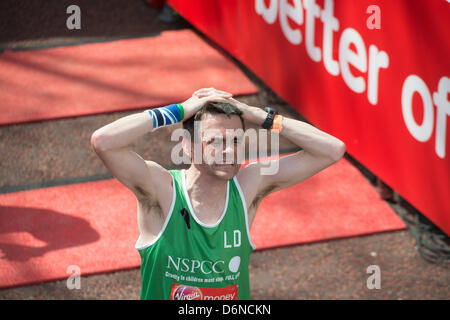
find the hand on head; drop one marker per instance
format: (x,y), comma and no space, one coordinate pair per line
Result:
(202,96)
(208,92)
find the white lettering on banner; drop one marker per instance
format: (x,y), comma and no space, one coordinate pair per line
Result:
(365,63)
(411,85)
(423,132)
(296,14)
(442,103)
(330,24)
(377,59)
(357,60)
(312,12)
(269,14)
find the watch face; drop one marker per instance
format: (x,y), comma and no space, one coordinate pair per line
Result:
(270,110)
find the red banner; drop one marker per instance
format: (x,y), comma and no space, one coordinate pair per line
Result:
(374,73)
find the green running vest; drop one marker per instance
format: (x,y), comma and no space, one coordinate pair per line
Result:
(203,262)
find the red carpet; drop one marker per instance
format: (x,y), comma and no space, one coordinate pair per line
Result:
(336,203)
(93,225)
(112,76)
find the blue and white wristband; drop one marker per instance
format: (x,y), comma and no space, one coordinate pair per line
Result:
(167,115)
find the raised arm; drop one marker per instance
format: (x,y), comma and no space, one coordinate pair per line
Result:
(113,142)
(319,150)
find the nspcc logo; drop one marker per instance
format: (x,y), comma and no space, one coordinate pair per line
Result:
(206,267)
(193,266)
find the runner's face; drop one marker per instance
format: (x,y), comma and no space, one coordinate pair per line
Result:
(221,138)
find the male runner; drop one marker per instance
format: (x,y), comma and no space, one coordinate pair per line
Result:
(194,224)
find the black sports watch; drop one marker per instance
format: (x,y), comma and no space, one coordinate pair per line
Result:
(271,113)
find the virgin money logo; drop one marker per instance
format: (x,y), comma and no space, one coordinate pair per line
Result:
(187,293)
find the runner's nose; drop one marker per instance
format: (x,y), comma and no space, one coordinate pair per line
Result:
(228,154)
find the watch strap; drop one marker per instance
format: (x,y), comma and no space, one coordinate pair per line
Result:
(268,122)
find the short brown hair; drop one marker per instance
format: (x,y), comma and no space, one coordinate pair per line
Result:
(214,108)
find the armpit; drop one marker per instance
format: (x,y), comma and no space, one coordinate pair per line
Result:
(145,199)
(261,195)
